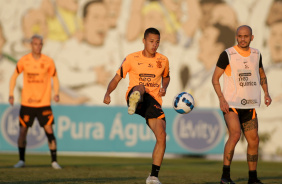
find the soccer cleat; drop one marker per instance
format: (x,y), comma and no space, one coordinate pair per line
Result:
(257,181)
(226,181)
(153,180)
(55,165)
(133,101)
(20,164)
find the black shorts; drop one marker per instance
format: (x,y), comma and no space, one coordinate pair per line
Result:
(149,108)
(244,114)
(43,114)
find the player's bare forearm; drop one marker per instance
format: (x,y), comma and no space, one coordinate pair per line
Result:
(56,85)
(215,81)
(264,85)
(113,84)
(165,82)
(216,85)
(263,81)
(111,87)
(12,86)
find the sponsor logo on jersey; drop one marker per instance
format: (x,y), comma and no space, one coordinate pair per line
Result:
(243,78)
(150,66)
(245,74)
(30,100)
(247,83)
(250,101)
(147,75)
(145,79)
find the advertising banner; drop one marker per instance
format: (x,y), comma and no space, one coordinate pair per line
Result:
(111,129)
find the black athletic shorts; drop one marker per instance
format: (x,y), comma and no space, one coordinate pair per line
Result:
(43,114)
(244,114)
(149,108)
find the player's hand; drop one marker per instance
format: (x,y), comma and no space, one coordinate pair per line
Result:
(162,92)
(56,98)
(11,100)
(107,99)
(267,100)
(224,106)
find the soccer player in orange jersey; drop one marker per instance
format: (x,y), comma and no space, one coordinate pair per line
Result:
(38,69)
(148,80)
(243,74)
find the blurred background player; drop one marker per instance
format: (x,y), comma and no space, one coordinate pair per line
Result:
(38,69)
(243,72)
(148,80)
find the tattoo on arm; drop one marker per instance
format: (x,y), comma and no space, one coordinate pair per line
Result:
(230,155)
(252,158)
(250,125)
(263,81)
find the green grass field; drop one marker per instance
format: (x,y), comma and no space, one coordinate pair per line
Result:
(119,170)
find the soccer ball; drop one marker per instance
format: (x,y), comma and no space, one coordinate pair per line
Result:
(183,103)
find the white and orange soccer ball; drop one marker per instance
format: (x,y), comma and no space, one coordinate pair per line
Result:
(183,103)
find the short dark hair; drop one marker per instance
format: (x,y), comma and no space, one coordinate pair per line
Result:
(36,36)
(85,8)
(246,27)
(152,31)
(226,35)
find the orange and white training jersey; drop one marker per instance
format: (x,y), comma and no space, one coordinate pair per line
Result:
(241,85)
(37,75)
(146,71)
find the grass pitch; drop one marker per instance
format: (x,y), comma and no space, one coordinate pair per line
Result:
(116,170)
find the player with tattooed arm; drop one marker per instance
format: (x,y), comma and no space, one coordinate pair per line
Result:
(243,74)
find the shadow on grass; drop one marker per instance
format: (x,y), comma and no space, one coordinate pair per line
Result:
(28,166)
(81,165)
(263,179)
(78,180)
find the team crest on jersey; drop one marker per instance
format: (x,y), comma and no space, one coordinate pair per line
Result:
(41,65)
(26,118)
(159,64)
